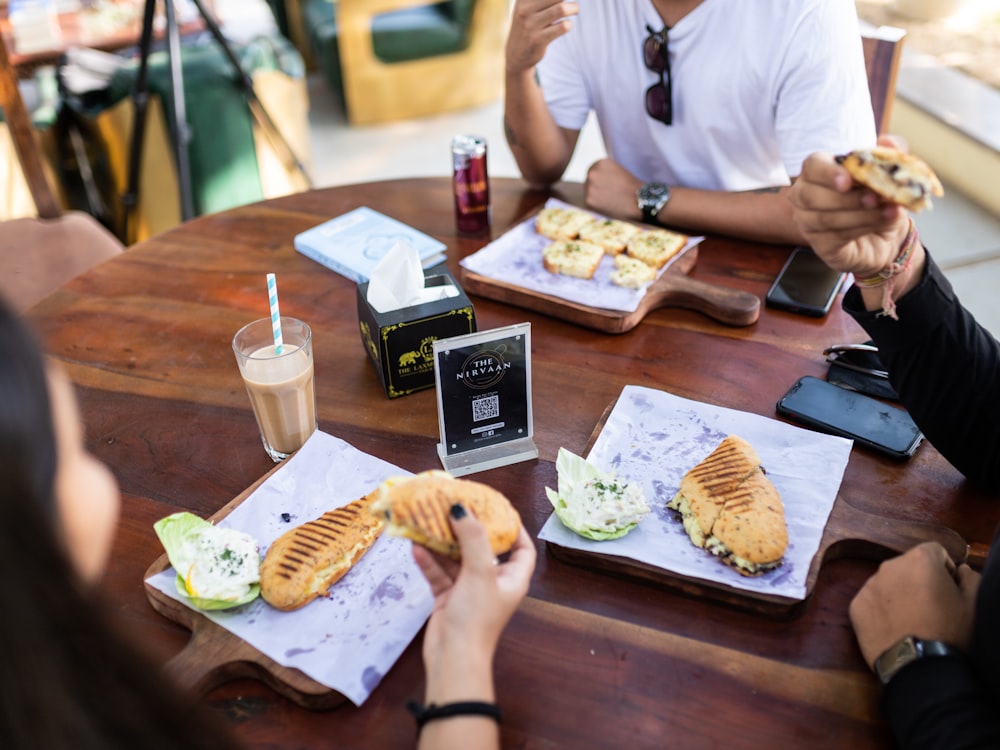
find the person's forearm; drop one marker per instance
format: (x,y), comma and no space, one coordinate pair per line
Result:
(943,365)
(762,216)
(462,676)
(457,678)
(541,148)
(873,297)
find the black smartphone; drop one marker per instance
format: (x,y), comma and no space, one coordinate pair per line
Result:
(805,285)
(829,408)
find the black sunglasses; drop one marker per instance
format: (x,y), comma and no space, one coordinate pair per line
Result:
(659,99)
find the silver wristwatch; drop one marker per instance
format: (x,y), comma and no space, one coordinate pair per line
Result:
(908,650)
(652,197)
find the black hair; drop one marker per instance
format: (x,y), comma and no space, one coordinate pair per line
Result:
(68,677)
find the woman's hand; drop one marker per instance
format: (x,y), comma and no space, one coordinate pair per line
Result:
(472,604)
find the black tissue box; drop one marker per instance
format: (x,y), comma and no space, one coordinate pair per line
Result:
(399,342)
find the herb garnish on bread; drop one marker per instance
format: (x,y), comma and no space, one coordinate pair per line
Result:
(572,258)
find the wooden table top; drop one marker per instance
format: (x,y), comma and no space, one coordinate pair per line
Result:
(592,659)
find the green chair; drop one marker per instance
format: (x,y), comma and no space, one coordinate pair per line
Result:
(398,59)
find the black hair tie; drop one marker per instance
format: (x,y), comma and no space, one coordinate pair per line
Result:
(430,712)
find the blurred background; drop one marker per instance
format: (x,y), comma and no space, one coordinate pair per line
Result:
(386,104)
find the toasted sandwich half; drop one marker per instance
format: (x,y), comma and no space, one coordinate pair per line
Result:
(730,507)
(750,533)
(304,562)
(417,507)
(704,488)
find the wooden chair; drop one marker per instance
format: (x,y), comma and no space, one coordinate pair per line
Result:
(883,48)
(23,136)
(39,255)
(376,91)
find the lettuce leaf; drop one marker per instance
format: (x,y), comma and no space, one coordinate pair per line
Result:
(592,502)
(179,533)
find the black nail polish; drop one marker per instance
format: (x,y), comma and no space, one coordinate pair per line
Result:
(457,511)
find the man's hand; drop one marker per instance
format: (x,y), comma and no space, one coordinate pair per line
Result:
(610,190)
(534,24)
(848,226)
(920,593)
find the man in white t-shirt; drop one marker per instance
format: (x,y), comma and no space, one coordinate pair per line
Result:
(707,107)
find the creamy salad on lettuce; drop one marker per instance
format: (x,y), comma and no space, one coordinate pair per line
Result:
(593,503)
(216,568)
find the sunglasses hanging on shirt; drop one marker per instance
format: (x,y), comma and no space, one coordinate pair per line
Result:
(659,98)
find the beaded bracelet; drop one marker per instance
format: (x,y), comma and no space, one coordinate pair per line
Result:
(430,712)
(886,277)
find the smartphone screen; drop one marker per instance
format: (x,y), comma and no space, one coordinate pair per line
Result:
(805,285)
(828,408)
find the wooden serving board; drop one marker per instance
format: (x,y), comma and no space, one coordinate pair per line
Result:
(674,288)
(849,532)
(214,655)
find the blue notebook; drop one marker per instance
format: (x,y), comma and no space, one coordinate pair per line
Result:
(352,244)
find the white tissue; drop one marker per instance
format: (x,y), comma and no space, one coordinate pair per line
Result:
(398,281)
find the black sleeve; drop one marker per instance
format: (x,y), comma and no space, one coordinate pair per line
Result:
(946,369)
(940,704)
(953,701)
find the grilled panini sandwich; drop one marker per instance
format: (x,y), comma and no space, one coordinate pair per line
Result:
(729,507)
(306,561)
(418,507)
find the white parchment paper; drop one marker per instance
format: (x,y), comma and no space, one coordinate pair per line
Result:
(515,257)
(654,437)
(351,639)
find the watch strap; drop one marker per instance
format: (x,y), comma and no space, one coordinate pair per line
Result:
(906,651)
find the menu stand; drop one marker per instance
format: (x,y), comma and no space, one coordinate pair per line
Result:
(484,399)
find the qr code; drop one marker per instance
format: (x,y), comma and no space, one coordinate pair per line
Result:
(487,407)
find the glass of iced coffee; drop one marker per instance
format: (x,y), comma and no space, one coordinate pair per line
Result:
(279,383)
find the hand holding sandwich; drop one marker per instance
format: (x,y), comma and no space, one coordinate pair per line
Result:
(851,228)
(920,593)
(473,601)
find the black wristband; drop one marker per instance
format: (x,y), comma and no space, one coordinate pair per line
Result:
(430,712)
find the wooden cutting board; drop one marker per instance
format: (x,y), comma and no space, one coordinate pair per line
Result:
(674,288)
(849,532)
(214,655)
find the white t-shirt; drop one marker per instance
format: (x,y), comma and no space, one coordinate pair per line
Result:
(758,85)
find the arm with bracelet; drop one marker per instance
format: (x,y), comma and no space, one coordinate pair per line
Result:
(473,601)
(926,627)
(944,366)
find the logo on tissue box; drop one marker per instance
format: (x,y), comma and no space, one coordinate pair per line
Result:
(366,336)
(420,360)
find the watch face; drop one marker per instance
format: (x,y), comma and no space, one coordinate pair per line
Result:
(653,192)
(896,657)
(651,198)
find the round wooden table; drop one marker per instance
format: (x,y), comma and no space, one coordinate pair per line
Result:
(592,659)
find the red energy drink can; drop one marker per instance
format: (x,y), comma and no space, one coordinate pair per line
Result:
(471,184)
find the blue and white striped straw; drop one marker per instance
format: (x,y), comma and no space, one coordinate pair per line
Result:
(272,298)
